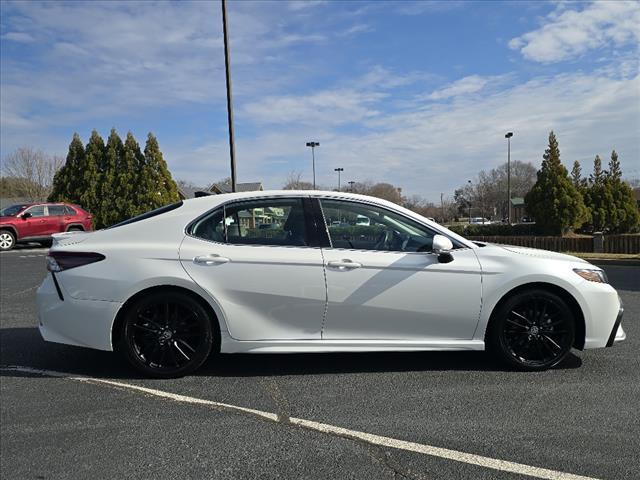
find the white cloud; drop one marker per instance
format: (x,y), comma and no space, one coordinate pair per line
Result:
(20,37)
(466,85)
(570,33)
(325,108)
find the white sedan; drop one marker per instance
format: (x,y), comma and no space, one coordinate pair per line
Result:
(171,286)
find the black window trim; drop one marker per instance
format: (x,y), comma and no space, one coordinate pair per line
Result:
(311,223)
(456,244)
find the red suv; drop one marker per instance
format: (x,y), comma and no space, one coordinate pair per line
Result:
(36,222)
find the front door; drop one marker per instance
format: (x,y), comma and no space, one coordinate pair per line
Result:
(257,259)
(37,224)
(385,284)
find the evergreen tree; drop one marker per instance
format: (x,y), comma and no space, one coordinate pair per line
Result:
(66,187)
(90,198)
(598,175)
(615,172)
(599,198)
(554,201)
(625,216)
(576,174)
(108,212)
(156,187)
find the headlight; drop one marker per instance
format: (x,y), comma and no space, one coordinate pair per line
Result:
(592,275)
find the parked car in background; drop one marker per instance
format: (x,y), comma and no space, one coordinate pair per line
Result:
(479,221)
(36,222)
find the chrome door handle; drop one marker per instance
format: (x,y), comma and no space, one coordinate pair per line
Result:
(344,264)
(210,260)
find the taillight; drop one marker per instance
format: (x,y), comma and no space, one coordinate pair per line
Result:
(59,261)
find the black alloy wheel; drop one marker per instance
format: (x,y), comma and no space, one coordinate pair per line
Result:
(167,334)
(533,330)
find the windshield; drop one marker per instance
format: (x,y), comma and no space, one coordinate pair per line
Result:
(11,211)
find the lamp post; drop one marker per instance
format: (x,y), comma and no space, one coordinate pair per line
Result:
(508,136)
(339,169)
(227,65)
(351,184)
(470,186)
(313,146)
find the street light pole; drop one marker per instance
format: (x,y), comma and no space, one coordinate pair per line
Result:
(351,184)
(470,186)
(339,169)
(227,65)
(313,146)
(508,137)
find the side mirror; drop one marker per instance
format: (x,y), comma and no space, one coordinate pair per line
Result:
(26,215)
(442,246)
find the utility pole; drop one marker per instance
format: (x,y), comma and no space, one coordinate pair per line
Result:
(508,137)
(442,206)
(339,169)
(227,65)
(313,146)
(470,186)
(351,183)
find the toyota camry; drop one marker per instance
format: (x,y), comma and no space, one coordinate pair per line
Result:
(309,271)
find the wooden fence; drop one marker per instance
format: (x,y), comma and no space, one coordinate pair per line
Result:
(611,244)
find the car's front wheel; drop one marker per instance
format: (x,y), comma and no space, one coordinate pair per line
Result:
(166,334)
(7,240)
(532,330)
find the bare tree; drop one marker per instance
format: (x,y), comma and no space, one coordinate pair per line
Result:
(30,172)
(295,182)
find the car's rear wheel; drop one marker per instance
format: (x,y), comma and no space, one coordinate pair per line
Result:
(7,240)
(166,334)
(532,330)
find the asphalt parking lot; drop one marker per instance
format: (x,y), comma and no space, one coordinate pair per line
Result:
(69,412)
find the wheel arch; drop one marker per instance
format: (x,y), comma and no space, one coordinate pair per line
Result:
(75,226)
(12,229)
(120,316)
(569,299)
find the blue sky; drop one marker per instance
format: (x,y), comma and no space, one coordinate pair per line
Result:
(419,94)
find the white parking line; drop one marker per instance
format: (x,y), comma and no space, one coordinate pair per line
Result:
(378,440)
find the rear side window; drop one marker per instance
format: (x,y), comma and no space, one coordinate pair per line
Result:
(55,210)
(69,211)
(279,221)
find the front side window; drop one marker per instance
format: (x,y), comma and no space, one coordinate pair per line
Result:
(359,226)
(259,222)
(37,211)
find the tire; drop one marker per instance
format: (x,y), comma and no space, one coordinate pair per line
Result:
(166,335)
(7,240)
(75,229)
(533,330)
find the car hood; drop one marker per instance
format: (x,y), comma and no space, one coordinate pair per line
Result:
(546,254)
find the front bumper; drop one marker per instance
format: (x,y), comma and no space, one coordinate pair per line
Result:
(617,333)
(84,323)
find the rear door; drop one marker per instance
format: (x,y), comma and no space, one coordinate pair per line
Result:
(260,261)
(55,218)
